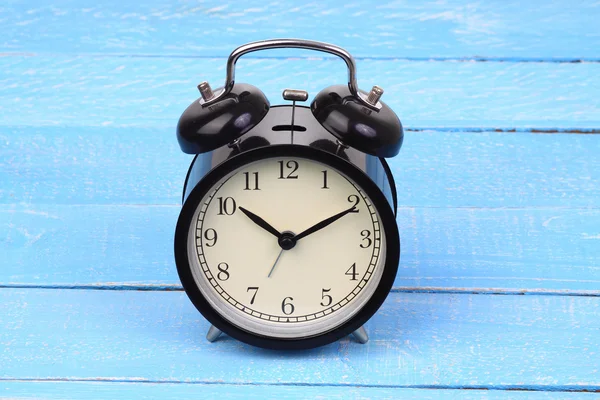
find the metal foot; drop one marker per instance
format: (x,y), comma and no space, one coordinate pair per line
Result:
(361,335)
(213,334)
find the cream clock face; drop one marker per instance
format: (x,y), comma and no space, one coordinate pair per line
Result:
(286,247)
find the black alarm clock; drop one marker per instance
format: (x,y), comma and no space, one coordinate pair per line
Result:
(287,238)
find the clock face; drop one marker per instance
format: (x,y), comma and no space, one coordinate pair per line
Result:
(286,247)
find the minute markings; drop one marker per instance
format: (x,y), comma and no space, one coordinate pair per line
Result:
(337,306)
(334,307)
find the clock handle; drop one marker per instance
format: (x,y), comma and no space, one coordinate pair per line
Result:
(363,99)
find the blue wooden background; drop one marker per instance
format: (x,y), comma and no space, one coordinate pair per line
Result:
(498,291)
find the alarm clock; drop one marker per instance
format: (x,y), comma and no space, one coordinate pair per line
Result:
(287,238)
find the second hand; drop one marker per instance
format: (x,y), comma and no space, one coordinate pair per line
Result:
(275,263)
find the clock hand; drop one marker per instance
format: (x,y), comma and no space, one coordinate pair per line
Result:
(261,222)
(323,223)
(275,263)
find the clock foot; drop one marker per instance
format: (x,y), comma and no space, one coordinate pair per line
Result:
(213,333)
(361,335)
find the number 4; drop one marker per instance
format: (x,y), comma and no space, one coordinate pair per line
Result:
(352,272)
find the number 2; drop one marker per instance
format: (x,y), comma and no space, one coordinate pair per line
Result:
(354,199)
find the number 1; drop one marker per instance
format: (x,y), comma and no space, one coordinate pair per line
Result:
(324,180)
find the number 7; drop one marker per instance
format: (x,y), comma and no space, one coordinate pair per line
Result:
(255,288)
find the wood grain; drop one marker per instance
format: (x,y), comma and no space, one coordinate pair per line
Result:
(91,177)
(435,340)
(85,165)
(544,251)
(150,390)
(153,92)
(542,30)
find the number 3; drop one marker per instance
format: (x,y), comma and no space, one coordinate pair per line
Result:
(366,235)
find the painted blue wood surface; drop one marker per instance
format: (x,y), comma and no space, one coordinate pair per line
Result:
(91,165)
(423,340)
(153,92)
(90,179)
(547,250)
(94,390)
(512,30)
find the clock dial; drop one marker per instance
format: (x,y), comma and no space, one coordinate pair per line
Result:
(286,247)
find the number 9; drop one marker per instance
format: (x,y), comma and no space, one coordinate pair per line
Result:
(210,237)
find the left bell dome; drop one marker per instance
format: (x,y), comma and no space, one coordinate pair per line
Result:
(202,129)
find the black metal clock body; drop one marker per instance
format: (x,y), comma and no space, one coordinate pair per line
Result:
(287,238)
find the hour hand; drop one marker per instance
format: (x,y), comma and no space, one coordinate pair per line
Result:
(260,222)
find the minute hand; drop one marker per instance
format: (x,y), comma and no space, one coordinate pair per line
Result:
(323,223)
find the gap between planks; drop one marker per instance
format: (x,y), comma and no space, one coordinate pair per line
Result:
(397,289)
(524,388)
(441,129)
(409,207)
(471,129)
(555,60)
(450,129)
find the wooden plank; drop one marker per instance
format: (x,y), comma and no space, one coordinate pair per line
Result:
(153,92)
(127,247)
(542,30)
(432,340)
(146,390)
(91,165)
(84,165)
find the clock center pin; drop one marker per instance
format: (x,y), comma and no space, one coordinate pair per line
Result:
(287,240)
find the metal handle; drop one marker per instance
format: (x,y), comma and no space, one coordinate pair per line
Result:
(291,43)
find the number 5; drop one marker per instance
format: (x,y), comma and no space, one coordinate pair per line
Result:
(326,298)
